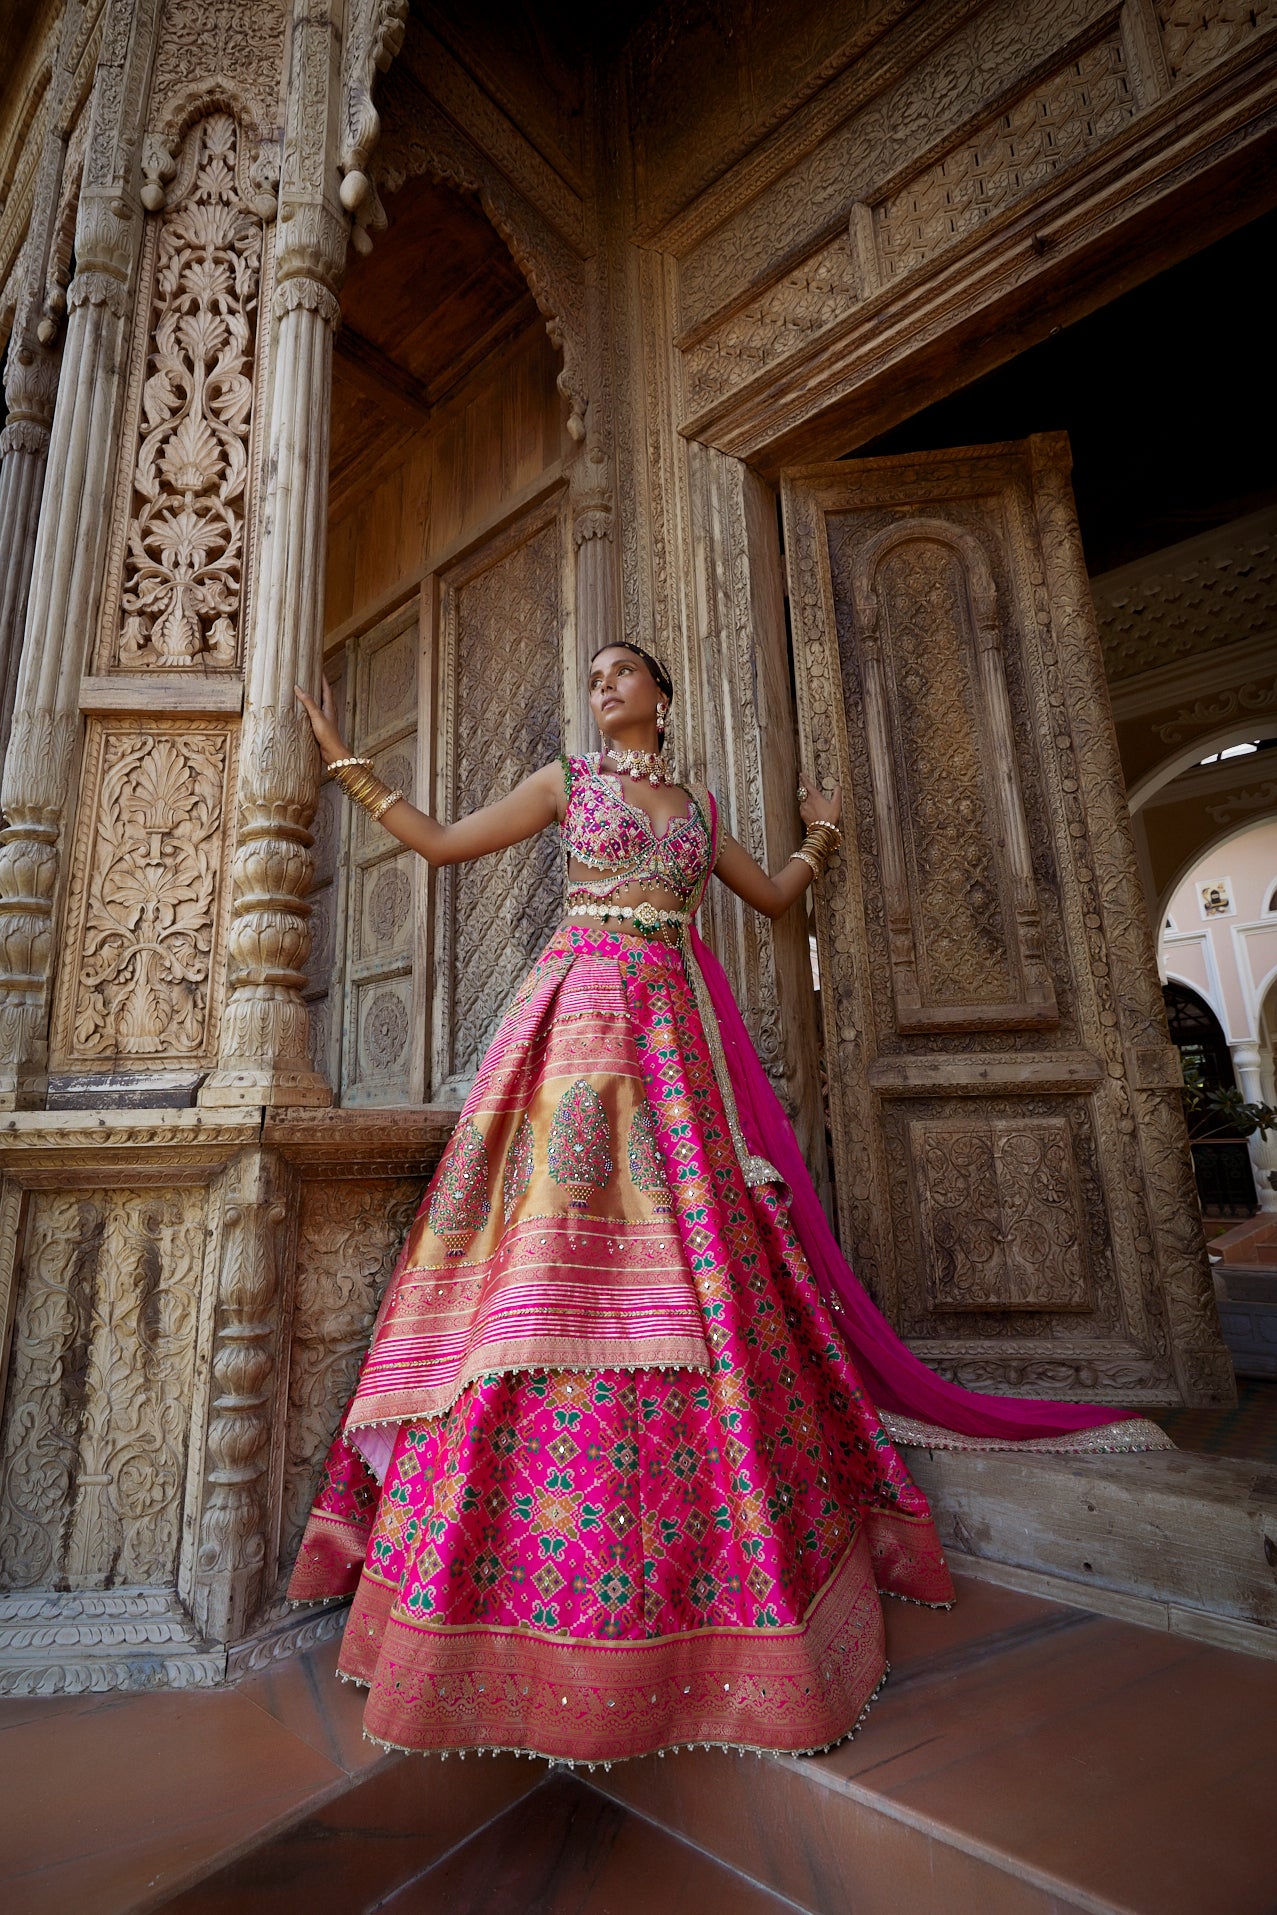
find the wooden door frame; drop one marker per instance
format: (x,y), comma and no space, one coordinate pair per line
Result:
(1152,1335)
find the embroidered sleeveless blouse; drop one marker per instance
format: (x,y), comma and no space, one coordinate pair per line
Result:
(603,831)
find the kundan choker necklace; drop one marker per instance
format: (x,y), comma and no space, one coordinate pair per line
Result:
(641,764)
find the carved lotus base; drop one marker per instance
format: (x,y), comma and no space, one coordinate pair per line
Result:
(84,1641)
(227,1090)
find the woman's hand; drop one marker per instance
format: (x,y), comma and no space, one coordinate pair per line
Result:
(323,722)
(816,809)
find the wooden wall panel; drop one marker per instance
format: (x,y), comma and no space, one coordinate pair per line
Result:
(495,440)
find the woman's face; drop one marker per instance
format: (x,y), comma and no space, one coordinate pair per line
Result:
(623,693)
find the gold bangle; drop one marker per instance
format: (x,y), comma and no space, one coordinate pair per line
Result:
(338,763)
(826,829)
(358,782)
(362,785)
(806,858)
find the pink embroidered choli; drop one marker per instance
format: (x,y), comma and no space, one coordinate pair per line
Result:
(604,832)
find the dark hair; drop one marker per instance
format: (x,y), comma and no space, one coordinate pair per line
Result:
(664,682)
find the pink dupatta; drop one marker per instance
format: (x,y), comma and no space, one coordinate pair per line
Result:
(900,1383)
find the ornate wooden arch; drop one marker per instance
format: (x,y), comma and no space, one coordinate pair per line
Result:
(435,146)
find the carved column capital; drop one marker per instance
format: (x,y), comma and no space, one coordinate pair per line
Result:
(107,232)
(310,244)
(308,295)
(23,435)
(98,289)
(595,522)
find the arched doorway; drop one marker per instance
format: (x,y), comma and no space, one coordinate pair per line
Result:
(448,604)
(1221,1161)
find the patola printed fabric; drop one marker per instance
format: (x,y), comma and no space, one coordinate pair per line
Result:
(637,1497)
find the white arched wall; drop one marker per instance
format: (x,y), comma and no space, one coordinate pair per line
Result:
(1231,961)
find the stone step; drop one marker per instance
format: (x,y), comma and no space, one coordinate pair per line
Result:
(1168,1539)
(1253,1241)
(564,1846)
(1024,1758)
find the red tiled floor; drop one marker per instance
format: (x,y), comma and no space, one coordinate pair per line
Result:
(568,1851)
(306,1695)
(1026,1758)
(366,1844)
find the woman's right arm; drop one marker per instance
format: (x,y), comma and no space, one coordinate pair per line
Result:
(529,808)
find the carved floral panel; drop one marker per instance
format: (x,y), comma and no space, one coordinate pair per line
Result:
(98,1394)
(926,109)
(202,37)
(141,975)
(177,597)
(769,328)
(1196,33)
(1015,152)
(348,1238)
(1012,154)
(1001,1216)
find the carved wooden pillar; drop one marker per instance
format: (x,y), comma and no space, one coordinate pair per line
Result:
(597,611)
(231,1552)
(265,1054)
(69,550)
(749,740)
(30,388)
(24,447)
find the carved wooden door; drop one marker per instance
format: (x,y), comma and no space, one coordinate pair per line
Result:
(1013,1177)
(501,622)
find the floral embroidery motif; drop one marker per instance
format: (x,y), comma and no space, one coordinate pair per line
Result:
(459,1201)
(518,1168)
(580,1145)
(646,1171)
(602,830)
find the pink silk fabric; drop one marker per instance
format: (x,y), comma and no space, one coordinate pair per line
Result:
(898,1381)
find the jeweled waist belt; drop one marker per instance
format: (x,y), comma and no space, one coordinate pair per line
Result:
(646,918)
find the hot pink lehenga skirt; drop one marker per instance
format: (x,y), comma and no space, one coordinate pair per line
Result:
(609,1482)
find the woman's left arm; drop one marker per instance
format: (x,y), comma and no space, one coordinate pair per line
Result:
(745,876)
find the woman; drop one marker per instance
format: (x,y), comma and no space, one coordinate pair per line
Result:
(613,1478)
